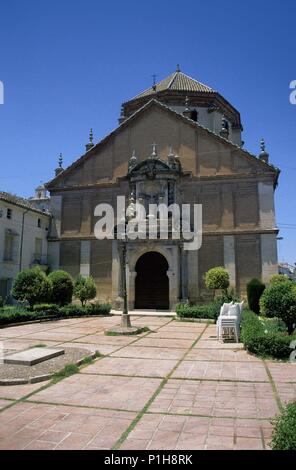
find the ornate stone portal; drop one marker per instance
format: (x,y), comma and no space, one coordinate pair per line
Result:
(152,181)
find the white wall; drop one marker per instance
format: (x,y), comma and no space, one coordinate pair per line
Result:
(212,121)
(9,269)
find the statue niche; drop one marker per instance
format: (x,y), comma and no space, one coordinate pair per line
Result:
(154,181)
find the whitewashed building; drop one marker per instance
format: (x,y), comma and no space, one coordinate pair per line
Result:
(23,238)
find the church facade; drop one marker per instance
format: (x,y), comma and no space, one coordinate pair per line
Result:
(178,142)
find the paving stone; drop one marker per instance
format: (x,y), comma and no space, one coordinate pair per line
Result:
(174,335)
(164,343)
(242,371)
(185,327)
(131,367)
(103,349)
(4,403)
(282,372)
(53,336)
(287,392)
(15,392)
(149,352)
(194,433)
(101,391)
(14,344)
(40,427)
(223,355)
(214,344)
(219,399)
(101,339)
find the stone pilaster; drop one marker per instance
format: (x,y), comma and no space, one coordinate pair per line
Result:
(85,258)
(227,221)
(183,275)
(266,205)
(268,256)
(229,258)
(53,254)
(116,272)
(192,284)
(56,211)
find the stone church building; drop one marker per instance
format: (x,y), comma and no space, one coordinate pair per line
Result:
(177,142)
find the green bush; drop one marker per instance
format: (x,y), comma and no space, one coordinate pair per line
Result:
(98,309)
(32,286)
(62,287)
(255,289)
(72,311)
(78,310)
(1,302)
(16,316)
(258,340)
(217,278)
(206,311)
(84,289)
(284,435)
(46,309)
(273,325)
(279,300)
(276,278)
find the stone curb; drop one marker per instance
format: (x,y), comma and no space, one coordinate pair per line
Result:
(40,378)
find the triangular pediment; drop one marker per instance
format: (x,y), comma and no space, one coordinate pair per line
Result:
(202,152)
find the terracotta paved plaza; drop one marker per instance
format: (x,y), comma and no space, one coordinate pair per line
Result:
(175,387)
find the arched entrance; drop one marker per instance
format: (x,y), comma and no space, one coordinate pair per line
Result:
(152,283)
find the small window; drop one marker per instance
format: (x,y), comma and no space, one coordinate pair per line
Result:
(9,213)
(38,250)
(194,115)
(8,248)
(39,223)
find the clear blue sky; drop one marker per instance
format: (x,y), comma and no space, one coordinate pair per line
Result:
(68,65)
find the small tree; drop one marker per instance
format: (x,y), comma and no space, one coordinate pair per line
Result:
(276,278)
(279,300)
(217,278)
(255,289)
(32,286)
(62,287)
(84,289)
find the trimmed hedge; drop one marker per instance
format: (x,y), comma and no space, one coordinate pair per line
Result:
(72,311)
(46,309)
(78,310)
(258,340)
(209,311)
(98,309)
(284,435)
(16,315)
